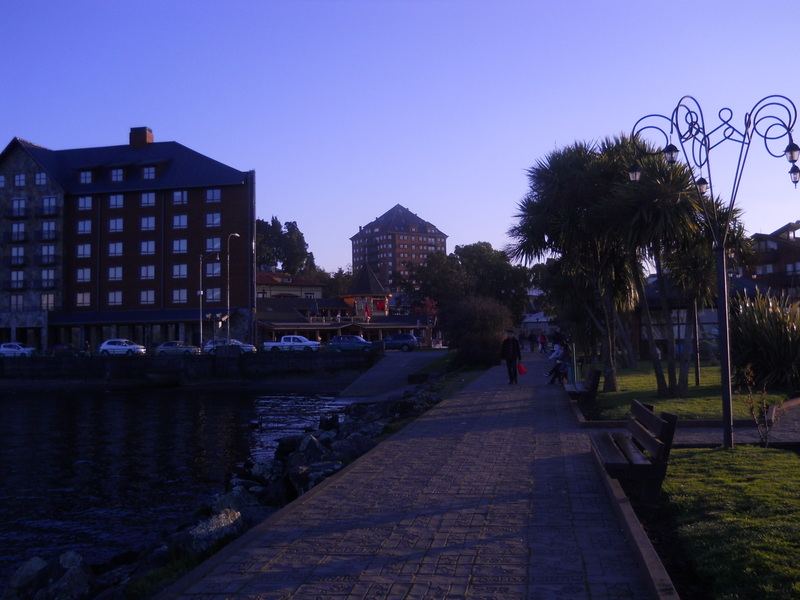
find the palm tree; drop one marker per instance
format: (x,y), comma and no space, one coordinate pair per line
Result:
(558,218)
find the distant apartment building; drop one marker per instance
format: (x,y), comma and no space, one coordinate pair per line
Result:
(393,240)
(123,241)
(777,262)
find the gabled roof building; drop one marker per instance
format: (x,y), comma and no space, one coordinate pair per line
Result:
(391,241)
(123,241)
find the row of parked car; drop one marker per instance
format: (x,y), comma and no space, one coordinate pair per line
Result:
(339,343)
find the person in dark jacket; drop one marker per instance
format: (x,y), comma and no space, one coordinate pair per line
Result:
(512,354)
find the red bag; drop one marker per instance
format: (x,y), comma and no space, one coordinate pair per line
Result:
(521,368)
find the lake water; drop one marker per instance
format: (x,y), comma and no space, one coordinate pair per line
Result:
(102,473)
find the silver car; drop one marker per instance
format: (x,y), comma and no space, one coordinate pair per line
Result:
(176,347)
(16,349)
(121,346)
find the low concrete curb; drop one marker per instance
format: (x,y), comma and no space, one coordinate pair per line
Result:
(657,577)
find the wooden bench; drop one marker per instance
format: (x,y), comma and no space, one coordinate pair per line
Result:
(639,455)
(586,390)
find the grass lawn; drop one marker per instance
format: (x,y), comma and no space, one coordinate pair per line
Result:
(728,526)
(704,401)
(728,523)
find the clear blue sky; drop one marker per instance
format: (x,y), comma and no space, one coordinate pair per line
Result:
(345,108)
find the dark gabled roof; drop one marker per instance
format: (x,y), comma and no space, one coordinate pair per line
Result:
(398,219)
(177,167)
(366,283)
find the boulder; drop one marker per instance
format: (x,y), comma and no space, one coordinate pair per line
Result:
(227,523)
(305,477)
(238,498)
(350,448)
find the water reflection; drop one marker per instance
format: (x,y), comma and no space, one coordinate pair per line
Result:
(101,473)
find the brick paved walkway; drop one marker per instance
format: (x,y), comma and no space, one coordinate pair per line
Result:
(491,494)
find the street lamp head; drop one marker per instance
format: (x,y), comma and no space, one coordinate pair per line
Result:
(792,152)
(634,173)
(702,186)
(671,154)
(794,173)
(234,235)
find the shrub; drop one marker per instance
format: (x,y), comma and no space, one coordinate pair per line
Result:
(475,329)
(765,334)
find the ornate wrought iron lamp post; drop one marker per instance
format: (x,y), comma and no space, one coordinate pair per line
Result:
(771,119)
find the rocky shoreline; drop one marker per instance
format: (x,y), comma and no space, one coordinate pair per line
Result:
(253,493)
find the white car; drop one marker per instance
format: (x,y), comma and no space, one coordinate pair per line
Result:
(121,346)
(16,349)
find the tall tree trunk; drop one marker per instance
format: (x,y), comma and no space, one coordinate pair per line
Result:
(609,341)
(669,329)
(647,323)
(625,343)
(689,345)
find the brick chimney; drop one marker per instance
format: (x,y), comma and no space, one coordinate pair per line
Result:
(141,136)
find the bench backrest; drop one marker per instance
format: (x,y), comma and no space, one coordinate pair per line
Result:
(653,433)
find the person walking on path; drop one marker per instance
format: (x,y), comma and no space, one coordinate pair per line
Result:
(512,354)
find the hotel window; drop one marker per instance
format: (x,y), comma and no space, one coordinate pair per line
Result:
(147,272)
(213,269)
(179,296)
(147,297)
(117,174)
(115,201)
(48,301)
(18,232)
(19,180)
(148,198)
(115,226)
(17,280)
(48,278)
(213,195)
(84,203)
(149,173)
(83,299)
(213,294)
(49,207)
(17,256)
(180,221)
(2,181)
(48,256)
(179,246)
(213,244)
(115,248)
(213,219)
(84,227)
(148,223)
(48,230)
(40,178)
(115,273)
(84,275)
(147,247)
(18,206)
(17,302)
(179,197)
(115,298)
(179,271)
(85,177)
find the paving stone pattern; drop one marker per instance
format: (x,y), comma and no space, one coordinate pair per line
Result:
(493,494)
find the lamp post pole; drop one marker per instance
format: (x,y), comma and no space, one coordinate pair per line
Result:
(200,293)
(228,291)
(772,119)
(200,297)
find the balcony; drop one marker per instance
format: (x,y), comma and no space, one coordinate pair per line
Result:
(17,213)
